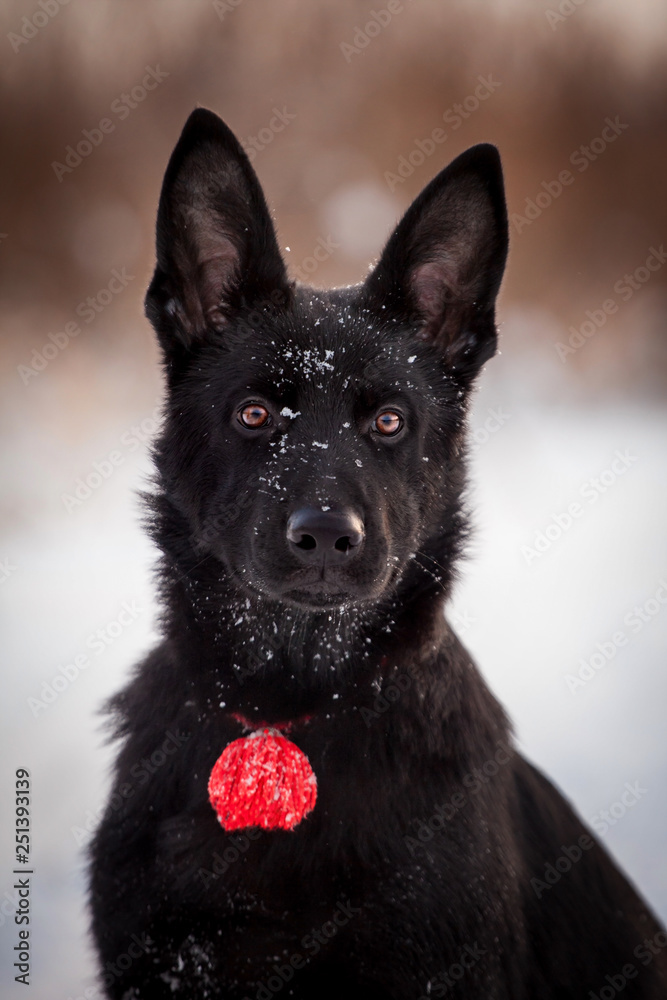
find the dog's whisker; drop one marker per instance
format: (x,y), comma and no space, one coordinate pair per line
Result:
(433,576)
(421,552)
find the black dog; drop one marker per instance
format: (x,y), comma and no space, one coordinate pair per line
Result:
(309,508)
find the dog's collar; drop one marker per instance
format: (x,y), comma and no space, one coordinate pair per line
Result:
(251,725)
(283,727)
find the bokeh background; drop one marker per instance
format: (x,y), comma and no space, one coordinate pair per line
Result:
(340,101)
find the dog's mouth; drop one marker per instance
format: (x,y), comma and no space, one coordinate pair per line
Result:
(323,589)
(319,597)
(319,594)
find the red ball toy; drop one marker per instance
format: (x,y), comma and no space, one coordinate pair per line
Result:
(262,780)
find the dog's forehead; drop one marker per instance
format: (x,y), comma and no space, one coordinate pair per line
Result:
(331,344)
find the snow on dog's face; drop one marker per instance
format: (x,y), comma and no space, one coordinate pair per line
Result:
(313,440)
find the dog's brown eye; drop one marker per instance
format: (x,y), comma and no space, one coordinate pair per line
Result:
(254,415)
(388,423)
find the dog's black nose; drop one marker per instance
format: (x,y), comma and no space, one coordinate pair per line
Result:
(315,535)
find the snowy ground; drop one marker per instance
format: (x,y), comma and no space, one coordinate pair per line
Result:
(528,619)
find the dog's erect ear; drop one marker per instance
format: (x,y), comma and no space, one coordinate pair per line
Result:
(443,264)
(216,245)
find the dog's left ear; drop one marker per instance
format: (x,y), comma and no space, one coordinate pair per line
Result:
(442,267)
(216,244)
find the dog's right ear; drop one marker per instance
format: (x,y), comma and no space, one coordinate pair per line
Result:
(443,264)
(216,244)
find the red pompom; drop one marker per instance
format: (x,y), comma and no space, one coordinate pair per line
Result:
(262,780)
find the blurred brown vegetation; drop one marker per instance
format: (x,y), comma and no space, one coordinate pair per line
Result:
(355,114)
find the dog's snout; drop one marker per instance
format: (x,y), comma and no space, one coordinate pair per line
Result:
(315,535)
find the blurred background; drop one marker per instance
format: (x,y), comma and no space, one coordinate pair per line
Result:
(347,109)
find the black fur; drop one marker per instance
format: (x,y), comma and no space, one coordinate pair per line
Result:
(422,870)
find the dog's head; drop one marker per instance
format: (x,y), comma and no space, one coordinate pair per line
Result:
(313,441)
